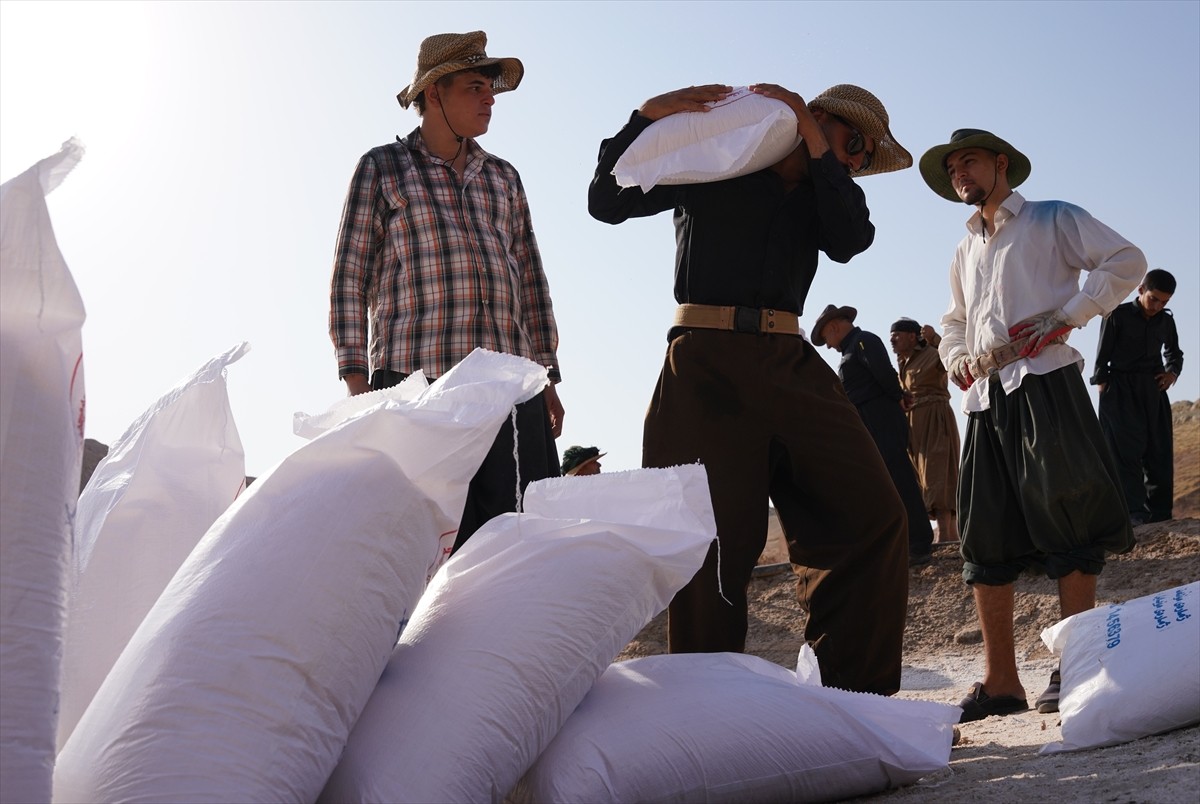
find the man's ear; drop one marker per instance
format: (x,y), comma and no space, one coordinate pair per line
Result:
(1002,163)
(817,113)
(432,95)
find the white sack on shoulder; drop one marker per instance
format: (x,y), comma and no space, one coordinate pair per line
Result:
(514,630)
(1128,670)
(161,486)
(741,134)
(730,727)
(245,678)
(41,448)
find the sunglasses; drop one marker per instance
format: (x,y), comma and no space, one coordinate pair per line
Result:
(857,145)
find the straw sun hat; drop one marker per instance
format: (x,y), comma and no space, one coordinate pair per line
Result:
(442,54)
(866,113)
(933,163)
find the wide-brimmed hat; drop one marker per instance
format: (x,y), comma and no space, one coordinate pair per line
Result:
(575,458)
(442,54)
(933,163)
(866,113)
(831,312)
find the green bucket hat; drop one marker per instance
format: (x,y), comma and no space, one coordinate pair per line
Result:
(576,457)
(933,163)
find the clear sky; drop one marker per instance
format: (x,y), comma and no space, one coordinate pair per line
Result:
(221,137)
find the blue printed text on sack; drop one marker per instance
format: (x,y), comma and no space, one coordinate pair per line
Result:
(1113,627)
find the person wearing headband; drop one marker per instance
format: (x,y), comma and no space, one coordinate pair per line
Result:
(1038,489)
(933,441)
(436,257)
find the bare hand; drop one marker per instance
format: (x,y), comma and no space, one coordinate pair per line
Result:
(688,99)
(1165,380)
(907,401)
(357,384)
(806,125)
(554,407)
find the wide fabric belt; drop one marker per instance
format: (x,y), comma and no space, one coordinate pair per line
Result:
(931,400)
(759,321)
(991,362)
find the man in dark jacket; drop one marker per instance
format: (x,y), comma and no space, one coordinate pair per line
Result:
(872,385)
(1135,412)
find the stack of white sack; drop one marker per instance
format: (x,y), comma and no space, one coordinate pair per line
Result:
(41,448)
(743,133)
(245,678)
(159,489)
(1128,670)
(516,627)
(730,727)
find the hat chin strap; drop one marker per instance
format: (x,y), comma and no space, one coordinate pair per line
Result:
(457,137)
(995,181)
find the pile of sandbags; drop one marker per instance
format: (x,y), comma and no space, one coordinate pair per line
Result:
(244,679)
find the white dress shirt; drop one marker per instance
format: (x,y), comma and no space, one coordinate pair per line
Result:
(1030,266)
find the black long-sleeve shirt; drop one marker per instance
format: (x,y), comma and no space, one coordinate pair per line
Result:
(865,370)
(1130,343)
(745,241)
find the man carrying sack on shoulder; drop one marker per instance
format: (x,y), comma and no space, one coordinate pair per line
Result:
(742,392)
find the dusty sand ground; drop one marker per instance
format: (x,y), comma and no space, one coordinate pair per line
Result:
(997,760)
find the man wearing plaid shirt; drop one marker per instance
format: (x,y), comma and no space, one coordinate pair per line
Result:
(436,250)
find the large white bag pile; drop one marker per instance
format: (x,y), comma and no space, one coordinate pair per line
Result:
(730,727)
(514,630)
(41,448)
(1128,670)
(743,133)
(161,486)
(245,678)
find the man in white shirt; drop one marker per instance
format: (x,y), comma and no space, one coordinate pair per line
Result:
(1038,488)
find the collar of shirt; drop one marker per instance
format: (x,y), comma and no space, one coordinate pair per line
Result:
(475,154)
(1009,208)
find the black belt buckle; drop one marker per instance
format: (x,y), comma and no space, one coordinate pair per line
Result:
(746,319)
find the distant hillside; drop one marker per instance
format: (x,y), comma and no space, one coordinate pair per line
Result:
(1186,418)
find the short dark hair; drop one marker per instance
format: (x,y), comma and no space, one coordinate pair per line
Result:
(1160,280)
(487,71)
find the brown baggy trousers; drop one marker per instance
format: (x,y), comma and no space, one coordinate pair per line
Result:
(767,417)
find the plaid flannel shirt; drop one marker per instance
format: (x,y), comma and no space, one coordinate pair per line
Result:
(437,265)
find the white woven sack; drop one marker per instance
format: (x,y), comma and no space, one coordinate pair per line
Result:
(41,448)
(741,134)
(514,630)
(245,678)
(308,425)
(161,486)
(730,727)
(1128,670)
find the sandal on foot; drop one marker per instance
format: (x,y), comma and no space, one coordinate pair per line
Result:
(978,704)
(1048,701)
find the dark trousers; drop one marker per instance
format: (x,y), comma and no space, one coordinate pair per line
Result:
(769,420)
(493,489)
(888,426)
(1038,490)
(1136,419)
